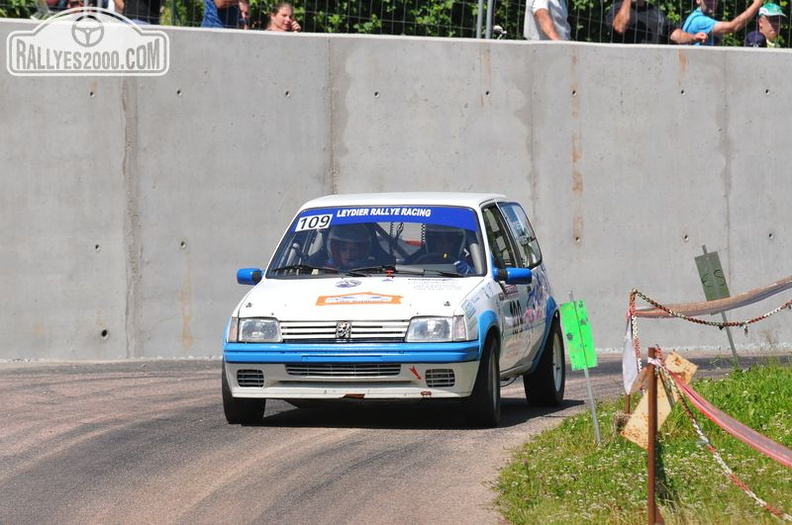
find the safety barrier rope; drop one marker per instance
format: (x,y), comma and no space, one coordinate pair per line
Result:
(633,319)
(634,328)
(692,319)
(670,381)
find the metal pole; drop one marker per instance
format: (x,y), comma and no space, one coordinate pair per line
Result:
(479,18)
(651,505)
(735,357)
(490,12)
(588,381)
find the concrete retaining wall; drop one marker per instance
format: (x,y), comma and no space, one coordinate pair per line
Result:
(129,203)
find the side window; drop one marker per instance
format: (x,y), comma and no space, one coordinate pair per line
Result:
(523,233)
(498,238)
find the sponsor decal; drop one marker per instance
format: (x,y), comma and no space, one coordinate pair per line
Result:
(491,290)
(470,310)
(510,289)
(358,298)
(348,283)
(436,284)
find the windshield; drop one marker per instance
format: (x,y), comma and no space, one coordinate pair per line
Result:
(392,240)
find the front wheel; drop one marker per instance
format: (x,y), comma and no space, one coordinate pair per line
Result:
(545,385)
(483,407)
(240,410)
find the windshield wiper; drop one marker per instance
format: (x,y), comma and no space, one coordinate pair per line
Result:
(305,268)
(402,269)
(443,273)
(309,269)
(377,268)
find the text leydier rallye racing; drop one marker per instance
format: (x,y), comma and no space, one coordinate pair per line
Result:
(397,296)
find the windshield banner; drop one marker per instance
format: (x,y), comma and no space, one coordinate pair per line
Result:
(319,219)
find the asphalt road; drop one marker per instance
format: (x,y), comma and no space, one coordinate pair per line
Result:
(147,442)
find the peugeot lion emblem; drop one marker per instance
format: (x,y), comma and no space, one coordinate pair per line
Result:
(343,330)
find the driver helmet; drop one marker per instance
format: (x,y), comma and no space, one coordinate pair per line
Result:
(448,240)
(355,237)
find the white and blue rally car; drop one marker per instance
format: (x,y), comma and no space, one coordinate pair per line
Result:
(397,296)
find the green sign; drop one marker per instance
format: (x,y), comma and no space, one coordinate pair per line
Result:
(577,335)
(712,278)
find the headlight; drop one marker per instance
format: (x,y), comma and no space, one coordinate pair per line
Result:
(437,329)
(253,330)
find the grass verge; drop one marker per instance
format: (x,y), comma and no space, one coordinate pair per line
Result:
(563,477)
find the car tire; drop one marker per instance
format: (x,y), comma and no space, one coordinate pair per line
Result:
(545,385)
(483,407)
(239,410)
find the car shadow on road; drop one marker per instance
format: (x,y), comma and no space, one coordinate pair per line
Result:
(427,415)
(518,411)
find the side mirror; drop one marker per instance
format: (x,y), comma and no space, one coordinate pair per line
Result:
(513,275)
(251,276)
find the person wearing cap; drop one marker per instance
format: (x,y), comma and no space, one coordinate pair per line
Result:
(639,22)
(769,23)
(700,20)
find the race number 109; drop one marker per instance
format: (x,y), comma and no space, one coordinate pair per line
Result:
(313,222)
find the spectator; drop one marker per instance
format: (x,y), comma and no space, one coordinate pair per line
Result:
(244,15)
(224,13)
(281,18)
(546,20)
(701,20)
(139,11)
(639,22)
(769,25)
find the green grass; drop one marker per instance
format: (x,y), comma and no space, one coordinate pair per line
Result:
(563,477)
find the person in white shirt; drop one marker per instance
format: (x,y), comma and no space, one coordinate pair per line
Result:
(546,20)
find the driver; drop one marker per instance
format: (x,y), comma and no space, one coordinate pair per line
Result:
(446,244)
(444,240)
(348,244)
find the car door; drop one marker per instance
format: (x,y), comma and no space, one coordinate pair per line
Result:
(515,338)
(535,311)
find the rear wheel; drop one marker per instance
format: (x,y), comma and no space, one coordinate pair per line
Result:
(545,385)
(241,410)
(483,407)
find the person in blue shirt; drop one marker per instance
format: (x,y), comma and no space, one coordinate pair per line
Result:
(701,20)
(222,13)
(639,22)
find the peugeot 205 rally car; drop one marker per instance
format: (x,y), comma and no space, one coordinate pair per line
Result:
(401,296)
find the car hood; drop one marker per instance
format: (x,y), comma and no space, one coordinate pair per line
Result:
(357,298)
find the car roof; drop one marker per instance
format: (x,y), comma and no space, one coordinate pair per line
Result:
(423,198)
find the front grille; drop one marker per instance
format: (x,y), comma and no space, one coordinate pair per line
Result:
(250,378)
(343,370)
(359,331)
(440,377)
